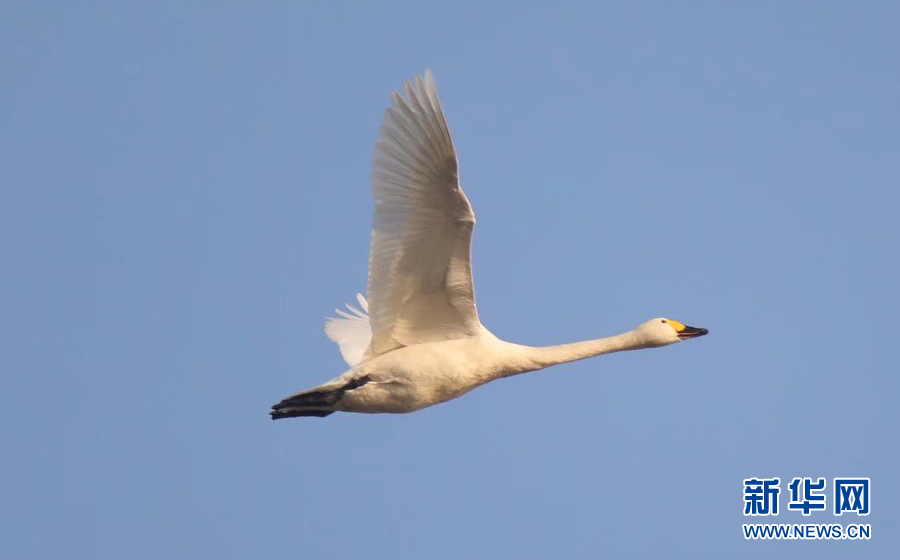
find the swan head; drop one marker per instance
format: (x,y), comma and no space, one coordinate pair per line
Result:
(662,331)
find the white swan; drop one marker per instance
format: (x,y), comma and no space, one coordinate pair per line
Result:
(418,340)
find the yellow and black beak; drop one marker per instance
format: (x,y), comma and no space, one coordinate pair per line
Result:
(690,332)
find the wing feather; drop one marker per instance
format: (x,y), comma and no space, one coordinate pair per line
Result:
(420,277)
(351,331)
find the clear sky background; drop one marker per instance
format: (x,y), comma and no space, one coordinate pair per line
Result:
(185,199)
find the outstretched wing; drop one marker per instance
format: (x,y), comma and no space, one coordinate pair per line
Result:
(420,274)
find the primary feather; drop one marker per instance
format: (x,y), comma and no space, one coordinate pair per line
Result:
(351,331)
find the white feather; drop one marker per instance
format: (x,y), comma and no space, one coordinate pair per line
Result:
(420,276)
(351,331)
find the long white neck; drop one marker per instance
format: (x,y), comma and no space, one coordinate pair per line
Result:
(545,356)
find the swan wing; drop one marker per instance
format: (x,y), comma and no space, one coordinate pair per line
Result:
(420,275)
(351,331)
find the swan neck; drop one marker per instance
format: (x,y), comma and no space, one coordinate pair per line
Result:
(545,356)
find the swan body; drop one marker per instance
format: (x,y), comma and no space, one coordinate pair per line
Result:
(418,340)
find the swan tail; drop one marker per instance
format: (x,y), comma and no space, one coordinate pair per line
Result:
(318,402)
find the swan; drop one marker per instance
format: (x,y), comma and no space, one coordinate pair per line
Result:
(417,340)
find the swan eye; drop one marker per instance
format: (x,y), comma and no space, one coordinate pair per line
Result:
(662,320)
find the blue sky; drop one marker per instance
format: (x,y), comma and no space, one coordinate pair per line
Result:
(185,192)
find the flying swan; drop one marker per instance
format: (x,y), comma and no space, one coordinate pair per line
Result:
(418,341)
